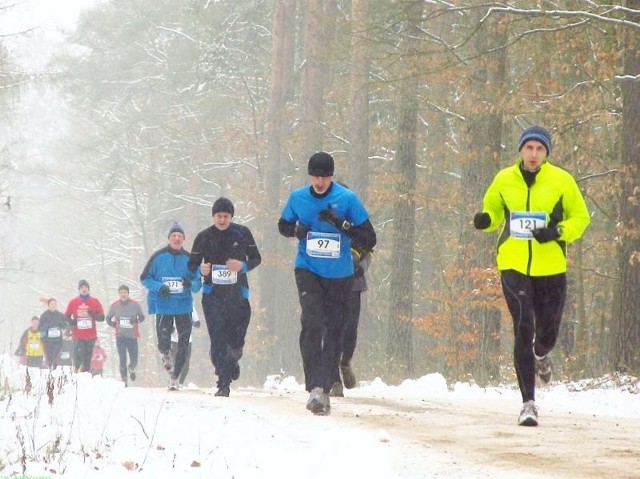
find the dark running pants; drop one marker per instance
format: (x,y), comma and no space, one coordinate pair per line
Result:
(535,304)
(323,302)
(52,349)
(82,352)
(127,345)
(347,343)
(187,360)
(164,327)
(227,322)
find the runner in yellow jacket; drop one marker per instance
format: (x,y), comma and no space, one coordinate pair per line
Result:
(540,209)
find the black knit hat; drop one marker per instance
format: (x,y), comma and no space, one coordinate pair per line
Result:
(176,228)
(222,205)
(536,133)
(320,164)
(83,282)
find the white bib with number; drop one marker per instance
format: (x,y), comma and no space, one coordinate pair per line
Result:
(54,333)
(84,324)
(221,274)
(323,245)
(174,284)
(126,323)
(521,223)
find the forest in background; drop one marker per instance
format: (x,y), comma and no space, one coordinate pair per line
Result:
(156,108)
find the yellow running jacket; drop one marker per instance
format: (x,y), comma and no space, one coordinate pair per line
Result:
(553,200)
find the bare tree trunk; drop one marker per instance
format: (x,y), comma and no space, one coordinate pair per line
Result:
(400,337)
(358,173)
(313,78)
(277,299)
(359,115)
(484,153)
(626,328)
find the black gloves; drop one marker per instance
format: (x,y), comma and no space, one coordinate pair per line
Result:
(482,220)
(196,324)
(164,291)
(301,231)
(186,283)
(330,216)
(544,235)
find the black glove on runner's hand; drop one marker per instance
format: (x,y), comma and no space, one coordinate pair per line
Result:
(544,235)
(482,220)
(330,216)
(301,231)
(186,283)
(164,291)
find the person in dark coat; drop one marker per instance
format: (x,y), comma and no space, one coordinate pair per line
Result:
(225,252)
(347,344)
(52,328)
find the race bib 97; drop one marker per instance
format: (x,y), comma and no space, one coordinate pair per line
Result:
(323,245)
(521,223)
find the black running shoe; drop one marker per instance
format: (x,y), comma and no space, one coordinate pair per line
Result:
(223,392)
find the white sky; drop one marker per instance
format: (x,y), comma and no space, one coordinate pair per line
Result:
(48,22)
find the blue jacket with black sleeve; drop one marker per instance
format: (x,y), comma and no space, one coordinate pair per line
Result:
(170,267)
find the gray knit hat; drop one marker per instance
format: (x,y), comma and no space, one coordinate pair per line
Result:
(536,133)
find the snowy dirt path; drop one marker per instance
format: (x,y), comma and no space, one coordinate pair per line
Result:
(451,437)
(95,428)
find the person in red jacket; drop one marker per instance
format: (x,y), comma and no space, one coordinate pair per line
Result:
(98,358)
(82,313)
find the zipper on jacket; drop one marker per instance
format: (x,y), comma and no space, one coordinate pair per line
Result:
(530,245)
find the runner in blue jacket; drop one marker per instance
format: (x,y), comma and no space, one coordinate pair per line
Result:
(170,284)
(327,219)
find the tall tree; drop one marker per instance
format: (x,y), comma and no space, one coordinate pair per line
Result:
(626,330)
(479,165)
(359,89)
(313,78)
(279,332)
(400,338)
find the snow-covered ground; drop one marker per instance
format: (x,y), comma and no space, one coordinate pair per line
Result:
(73,425)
